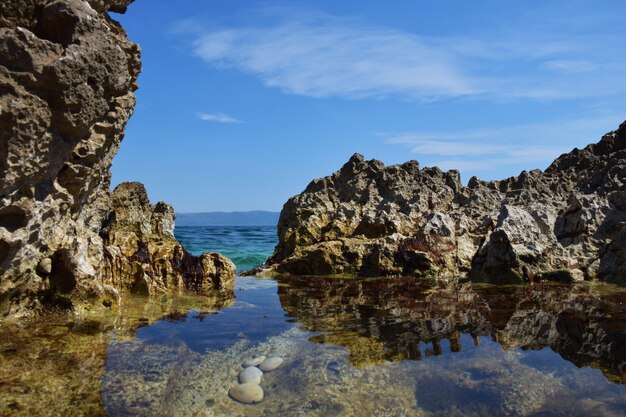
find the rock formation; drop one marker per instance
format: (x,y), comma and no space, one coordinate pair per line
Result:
(67,79)
(142,255)
(566,223)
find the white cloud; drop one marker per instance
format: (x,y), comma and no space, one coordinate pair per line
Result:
(486,149)
(331,60)
(318,55)
(218,118)
(570,67)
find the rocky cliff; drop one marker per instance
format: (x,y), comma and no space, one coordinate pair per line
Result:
(566,223)
(67,80)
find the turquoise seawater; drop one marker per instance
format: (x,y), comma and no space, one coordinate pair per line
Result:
(376,347)
(246,246)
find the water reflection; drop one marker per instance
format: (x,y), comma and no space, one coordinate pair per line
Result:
(381,320)
(254,316)
(471,350)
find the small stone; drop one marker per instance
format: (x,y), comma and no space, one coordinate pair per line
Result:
(45,266)
(248,393)
(253,361)
(251,374)
(271,363)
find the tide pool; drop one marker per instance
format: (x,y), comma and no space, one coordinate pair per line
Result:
(352,347)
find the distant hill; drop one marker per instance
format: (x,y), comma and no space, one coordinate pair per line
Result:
(234,218)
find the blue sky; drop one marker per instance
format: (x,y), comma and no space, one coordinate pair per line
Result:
(242,103)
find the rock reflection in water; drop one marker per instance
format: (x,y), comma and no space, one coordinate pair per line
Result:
(164,372)
(381,320)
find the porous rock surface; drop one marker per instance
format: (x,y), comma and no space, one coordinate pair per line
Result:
(567,222)
(142,255)
(67,80)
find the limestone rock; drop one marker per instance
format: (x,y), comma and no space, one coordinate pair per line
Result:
(254,361)
(371,220)
(67,75)
(45,266)
(142,255)
(248,393)
(270,364)
(251,374)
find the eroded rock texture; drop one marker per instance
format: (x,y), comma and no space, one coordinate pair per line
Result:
(142,255)
(67,80)
(567,223)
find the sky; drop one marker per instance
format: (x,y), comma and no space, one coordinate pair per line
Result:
(242,103)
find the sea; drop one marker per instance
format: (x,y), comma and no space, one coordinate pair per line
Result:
(351,347)
(247,246)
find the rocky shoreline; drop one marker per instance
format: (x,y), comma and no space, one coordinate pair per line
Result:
(567,223)
(143,256)
(68,74)
(69,244)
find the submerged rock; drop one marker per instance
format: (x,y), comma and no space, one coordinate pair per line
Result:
(368,219)
(254,361)
(251,374)
(68,75)
(39,356)
(248,393)
(270,364)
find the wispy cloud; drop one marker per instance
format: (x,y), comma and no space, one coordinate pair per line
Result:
(486,149)
(328,59)
(570,67)
(218,118)
(317,55)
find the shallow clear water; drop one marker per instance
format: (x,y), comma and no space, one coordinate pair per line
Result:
(383,347)
(352,347)
(255,316)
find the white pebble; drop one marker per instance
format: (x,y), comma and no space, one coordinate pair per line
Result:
(248,393)
(45,266)
(271,363)
(253,361)
(251,374)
